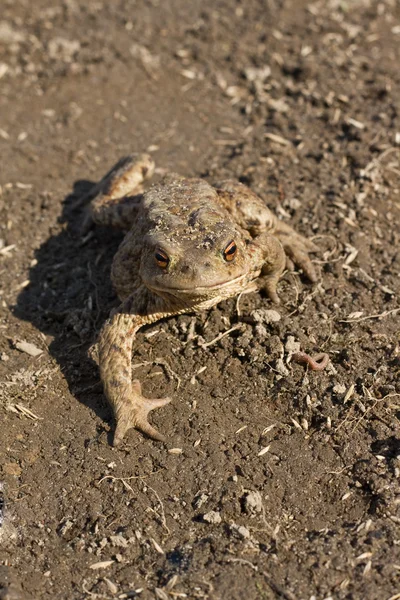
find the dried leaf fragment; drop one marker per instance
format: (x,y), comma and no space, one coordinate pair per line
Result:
(264,450)
(101,565)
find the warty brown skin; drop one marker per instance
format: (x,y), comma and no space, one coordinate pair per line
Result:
(189,245)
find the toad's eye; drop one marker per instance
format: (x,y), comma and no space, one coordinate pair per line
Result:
(230,251)
(162,258)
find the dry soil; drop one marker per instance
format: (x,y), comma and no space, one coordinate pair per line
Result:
(275,482)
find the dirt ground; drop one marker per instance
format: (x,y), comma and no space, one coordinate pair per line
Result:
(275,482)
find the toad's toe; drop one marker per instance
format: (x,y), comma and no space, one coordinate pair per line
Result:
(133,413)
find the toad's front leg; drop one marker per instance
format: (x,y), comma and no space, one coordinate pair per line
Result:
(130,407)
(268,254)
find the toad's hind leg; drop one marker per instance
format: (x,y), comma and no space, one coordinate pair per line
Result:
(117,196)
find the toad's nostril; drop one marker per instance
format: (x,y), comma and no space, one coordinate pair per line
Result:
(190,272)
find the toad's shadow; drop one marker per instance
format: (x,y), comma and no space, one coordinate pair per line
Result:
(70,295)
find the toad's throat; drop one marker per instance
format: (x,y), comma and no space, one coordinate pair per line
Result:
(196,290)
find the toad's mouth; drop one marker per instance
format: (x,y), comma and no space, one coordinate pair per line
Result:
(196,289)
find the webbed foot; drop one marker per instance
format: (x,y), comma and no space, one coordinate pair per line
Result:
(133,413)
(297,249)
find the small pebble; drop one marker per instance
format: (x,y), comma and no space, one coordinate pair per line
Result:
(119,541)
(263,315)
(111,586)
(339,389)
(213,517)
(242,531)
(252,503)
(199,500)
(28,348)
(291,345)
(281,368)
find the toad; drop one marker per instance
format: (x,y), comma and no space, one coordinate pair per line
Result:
(188,246)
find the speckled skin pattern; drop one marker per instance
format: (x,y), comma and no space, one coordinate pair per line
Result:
(189,245)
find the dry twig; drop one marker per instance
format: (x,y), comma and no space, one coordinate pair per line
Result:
(222,335)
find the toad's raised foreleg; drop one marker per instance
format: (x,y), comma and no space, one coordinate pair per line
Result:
(272,259)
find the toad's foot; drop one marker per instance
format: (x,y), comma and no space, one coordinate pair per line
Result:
(297,249)
(133,412)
